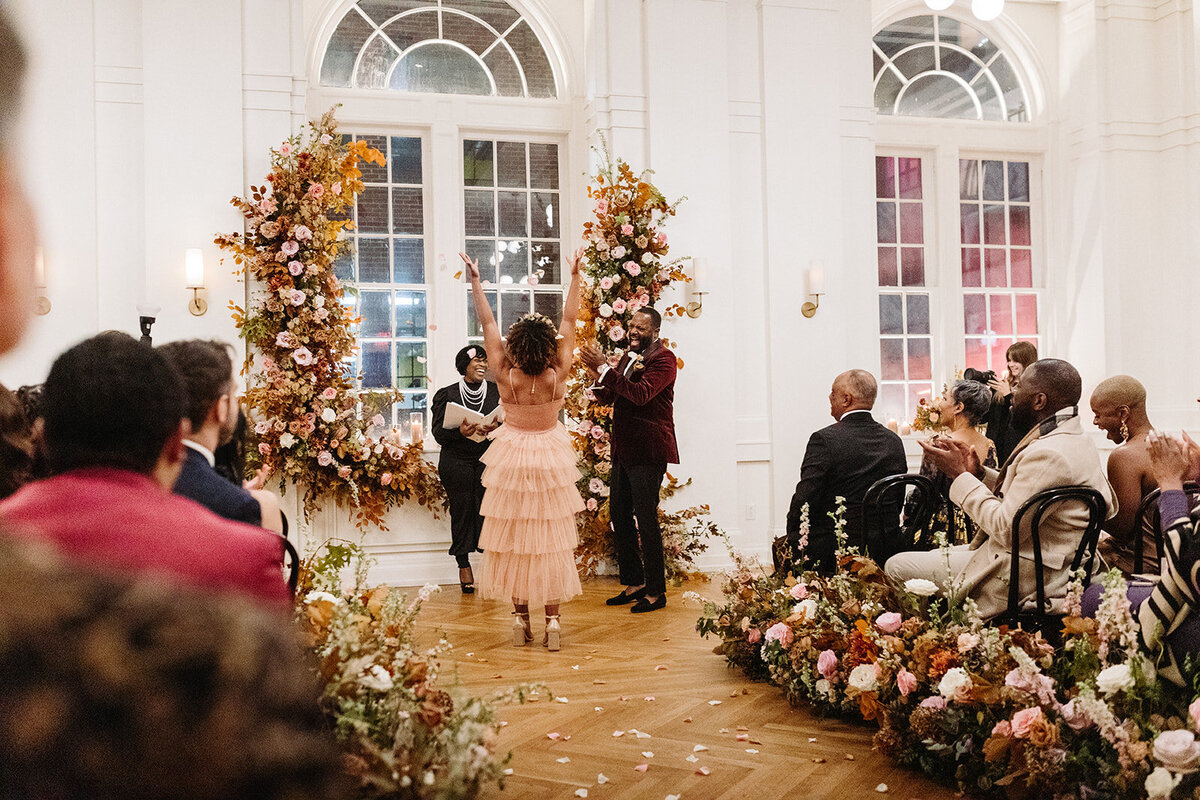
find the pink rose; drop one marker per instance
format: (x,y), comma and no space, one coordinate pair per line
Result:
(595,486)
(597,433)
(1194,713)
(606,283)
(1036,684)
(616,333)
(618,306)
(302,356)
(905,682)
(264,448)
(1002,728)
(633,268)
(285,339)
(386,479)
(754,636)
(661,238)
(268,362)
(591,504)
(297,297)
(798,592)
(827,664)
(262,427)
(285,148)
(936,702)
(888,622)
(325,458)
(316,189)
(267,205)
(329,393)
(378,420)
(780,632)
(627,230)
(1075,718)
(290,247)
(602,207)
(967,642)
(1023,720)
(303,233)
(295,268)
(343,472)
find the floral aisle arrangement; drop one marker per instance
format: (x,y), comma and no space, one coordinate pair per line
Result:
(626,269)
(991,709)
(404,737)
(301,401)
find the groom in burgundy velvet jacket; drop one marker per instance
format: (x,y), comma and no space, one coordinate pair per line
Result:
(641,388)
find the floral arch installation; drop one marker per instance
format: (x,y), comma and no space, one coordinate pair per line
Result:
(938,66)
(472,47)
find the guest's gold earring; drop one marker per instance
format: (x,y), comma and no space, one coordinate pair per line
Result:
(1124,431)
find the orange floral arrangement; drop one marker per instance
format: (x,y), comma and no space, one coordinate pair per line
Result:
(301,401)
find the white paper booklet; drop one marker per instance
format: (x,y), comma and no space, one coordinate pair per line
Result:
(455,414)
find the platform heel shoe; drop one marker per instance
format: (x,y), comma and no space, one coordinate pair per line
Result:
(521,634)
(553,640)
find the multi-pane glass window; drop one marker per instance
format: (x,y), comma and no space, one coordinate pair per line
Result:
(476,47)
(513,226)
(386,267)
(936,66)
(905,345)
(1000,304)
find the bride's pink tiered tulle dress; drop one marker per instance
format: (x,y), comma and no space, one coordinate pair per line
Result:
(529,509)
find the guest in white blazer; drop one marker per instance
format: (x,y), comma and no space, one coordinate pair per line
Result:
(1054,453)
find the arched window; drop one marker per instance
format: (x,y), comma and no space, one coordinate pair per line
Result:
(935,66)
(476,47)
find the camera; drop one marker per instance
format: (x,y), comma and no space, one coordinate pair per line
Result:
(979,376)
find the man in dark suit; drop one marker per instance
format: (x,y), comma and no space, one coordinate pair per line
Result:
(207,373)
(641,388)
(843,460)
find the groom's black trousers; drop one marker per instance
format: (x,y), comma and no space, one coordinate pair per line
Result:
(634,496)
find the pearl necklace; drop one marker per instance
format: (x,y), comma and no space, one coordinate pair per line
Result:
(473,397)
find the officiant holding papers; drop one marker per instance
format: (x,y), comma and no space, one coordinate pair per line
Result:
(471,399)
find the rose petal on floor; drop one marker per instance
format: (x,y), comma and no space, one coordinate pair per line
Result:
(618,733)
(714,702)
(552,736)
(649,698)
(703,771)
(699,748)
(601,779)
(563,760)
(660,667)
(642,767)
(691,759)
(581,792)
(561,700)
(881,788)
(751,751)
(647,754)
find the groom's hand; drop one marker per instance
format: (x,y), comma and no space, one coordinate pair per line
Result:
(592,357)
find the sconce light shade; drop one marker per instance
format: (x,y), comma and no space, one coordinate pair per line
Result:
(986,10)
(699,275)
(816,279)
(39,269)
(193,266)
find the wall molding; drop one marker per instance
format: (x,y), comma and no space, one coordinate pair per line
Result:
(118,84)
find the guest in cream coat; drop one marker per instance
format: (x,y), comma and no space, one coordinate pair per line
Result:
(1054,453)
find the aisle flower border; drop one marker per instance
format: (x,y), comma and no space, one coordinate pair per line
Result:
(302,406)
(625,268)
(991,709)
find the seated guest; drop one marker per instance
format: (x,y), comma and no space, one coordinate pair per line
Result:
(16,444)
(843,460)
(115,423)
(209,384)
(119,686)
(1000,427)
(1119,409)
(460,467)
(961,408)
(1054,453)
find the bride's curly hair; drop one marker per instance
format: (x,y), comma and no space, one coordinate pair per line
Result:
(532,343)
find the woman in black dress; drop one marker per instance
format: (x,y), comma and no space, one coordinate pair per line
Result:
(459,467)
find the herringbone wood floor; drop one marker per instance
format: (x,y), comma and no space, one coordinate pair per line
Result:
(607,672)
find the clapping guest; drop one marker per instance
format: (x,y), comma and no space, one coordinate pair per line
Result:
(459,465)
(1000,427)
(962,408)
(1119,409)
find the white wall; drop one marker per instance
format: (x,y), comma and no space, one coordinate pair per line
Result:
(760,111)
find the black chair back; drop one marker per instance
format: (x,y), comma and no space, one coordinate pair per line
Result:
(292,562)
(1148,520)
(884,491)
(1040,505)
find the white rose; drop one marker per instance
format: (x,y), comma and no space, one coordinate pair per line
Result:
(920,587)
(287,440)
(328,415)
(1161,783)
(647,258)
(319,301)
(376,678)
(807,607)
(955,685)
(605,310)
(317,597)
(1178,751)
(864,677)
(618,252)
(824,688)
(1115,679)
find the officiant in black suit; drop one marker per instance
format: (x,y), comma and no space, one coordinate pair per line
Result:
(460,467)
(843,460)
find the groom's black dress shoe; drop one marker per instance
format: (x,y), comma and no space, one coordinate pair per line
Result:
(643,605)
(623,598)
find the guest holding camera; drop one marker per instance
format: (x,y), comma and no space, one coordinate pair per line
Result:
(1000,427)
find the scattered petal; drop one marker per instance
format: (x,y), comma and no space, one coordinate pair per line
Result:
(420,359)
(742,737)
(667,639)
(849,757)
(503,723)
(642,767)
(623,699)
(581,792)
(508,771)
(642,735)
(733,694)
(563,760)
(818,761)
(617,734)
(812,738)
(561,700)
(497,675)
(687,719)
(574,666)
(649,698)
(599,708)
(470,654)
(647,754)
(723,730)
(742,728)
(881,788)
(751,751)
(714,702)
(699,748)
(601,779)
(703,771)
(660,667)
(552,736)
(672,797)
(691,759)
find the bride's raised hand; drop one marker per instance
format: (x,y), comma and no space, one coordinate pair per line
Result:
(576,262)
(472,266)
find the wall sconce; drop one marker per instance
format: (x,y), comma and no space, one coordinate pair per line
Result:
(194,270)
(41,303)
(816,288)
(696,287)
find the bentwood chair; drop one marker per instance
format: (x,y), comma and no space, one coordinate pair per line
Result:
(1148,520)
(892,491)
(1040,618)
